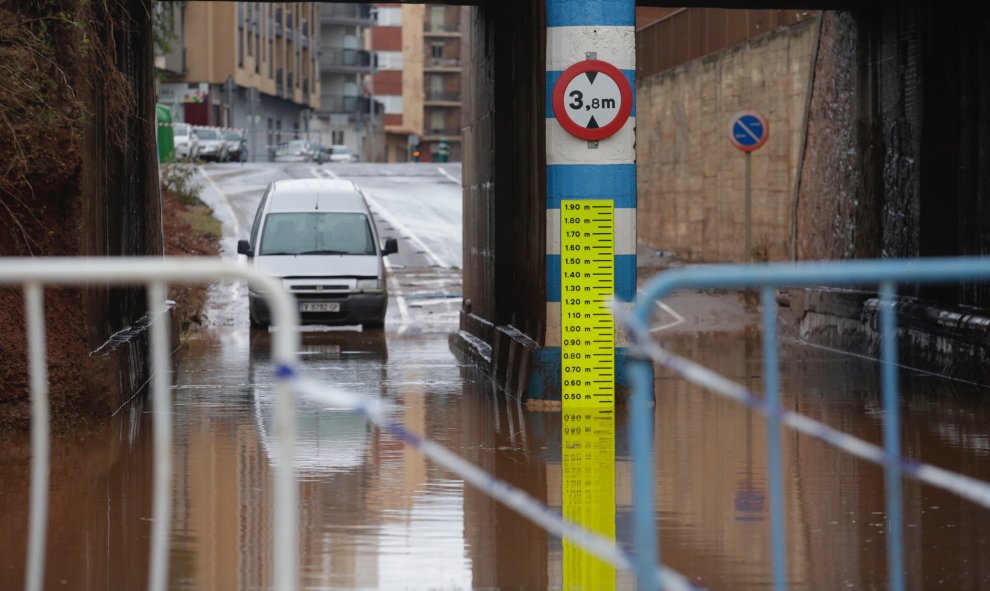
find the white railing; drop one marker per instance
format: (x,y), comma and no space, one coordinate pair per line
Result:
(155,273)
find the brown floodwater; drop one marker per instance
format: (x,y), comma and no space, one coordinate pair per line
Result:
(375,515)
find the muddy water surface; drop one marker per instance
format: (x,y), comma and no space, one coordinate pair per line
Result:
(375,515)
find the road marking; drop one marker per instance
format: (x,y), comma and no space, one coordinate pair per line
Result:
(396,290)
(448,175)
(678,319)
(395,223)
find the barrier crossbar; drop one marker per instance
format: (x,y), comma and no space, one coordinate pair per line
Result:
(155,274)
(884,274)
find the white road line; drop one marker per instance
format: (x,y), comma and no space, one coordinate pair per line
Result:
(402,228)
(678,319)
(396,290)
(448,175)
(224,200)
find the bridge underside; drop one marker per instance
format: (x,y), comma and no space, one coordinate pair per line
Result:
(920,184)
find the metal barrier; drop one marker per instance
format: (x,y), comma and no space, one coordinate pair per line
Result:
(155,273)
(884,274)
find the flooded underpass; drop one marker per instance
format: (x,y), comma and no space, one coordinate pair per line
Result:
(376,515)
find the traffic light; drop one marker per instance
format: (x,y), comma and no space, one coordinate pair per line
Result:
(416,152)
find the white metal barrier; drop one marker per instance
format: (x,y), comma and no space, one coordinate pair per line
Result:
(155,273)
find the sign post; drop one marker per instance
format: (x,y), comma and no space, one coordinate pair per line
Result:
(748,132)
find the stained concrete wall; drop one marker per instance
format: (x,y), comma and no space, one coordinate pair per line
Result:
(504,190)
(690,179)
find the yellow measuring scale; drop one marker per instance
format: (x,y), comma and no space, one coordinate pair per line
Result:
(587,251)
(588,493)
(587,284)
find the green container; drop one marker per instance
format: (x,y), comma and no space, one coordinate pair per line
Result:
(166,139)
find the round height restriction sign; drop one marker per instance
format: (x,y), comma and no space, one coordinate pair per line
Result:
(592,100)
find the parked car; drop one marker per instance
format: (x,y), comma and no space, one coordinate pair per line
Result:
(294,151)
(341,153)
(236,145)
(185,141)
(211,144)
(319,237)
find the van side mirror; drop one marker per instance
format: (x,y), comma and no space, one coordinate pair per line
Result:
(391,247)
(244,247)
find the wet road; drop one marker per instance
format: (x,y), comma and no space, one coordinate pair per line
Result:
(375,515)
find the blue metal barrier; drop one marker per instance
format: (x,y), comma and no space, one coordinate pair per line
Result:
(883,273)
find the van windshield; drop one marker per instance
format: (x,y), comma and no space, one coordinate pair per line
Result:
(316,233)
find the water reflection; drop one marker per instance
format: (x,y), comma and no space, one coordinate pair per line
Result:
(588,492)
(376,515)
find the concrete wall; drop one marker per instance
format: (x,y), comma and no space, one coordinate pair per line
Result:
(504,191)
(690,180)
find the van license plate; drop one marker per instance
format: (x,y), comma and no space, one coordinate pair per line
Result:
(320,307)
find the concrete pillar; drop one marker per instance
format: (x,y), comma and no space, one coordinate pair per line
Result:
(575,29)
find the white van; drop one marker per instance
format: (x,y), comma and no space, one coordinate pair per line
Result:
(319,238)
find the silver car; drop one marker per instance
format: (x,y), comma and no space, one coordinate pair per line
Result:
(294,151)
(185,141)
(211,144)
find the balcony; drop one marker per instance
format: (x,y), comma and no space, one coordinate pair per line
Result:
(442,29)
(348,61)
(343,103)
(357,15)
(443,99)
(445,133)
(442,64)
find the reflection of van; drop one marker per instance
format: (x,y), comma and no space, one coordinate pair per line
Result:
(318,236)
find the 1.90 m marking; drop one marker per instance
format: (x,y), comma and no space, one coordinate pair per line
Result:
(587,285)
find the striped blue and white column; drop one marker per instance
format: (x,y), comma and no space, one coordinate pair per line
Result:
(578,30)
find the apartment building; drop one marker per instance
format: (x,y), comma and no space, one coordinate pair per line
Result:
(348,114)
(249,65)
(422,51)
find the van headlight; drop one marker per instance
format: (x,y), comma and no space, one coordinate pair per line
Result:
(369,285)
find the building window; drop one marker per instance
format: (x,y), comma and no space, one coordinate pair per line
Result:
(436,50)
(240,49)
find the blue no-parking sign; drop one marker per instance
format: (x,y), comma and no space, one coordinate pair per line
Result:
(748,131)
